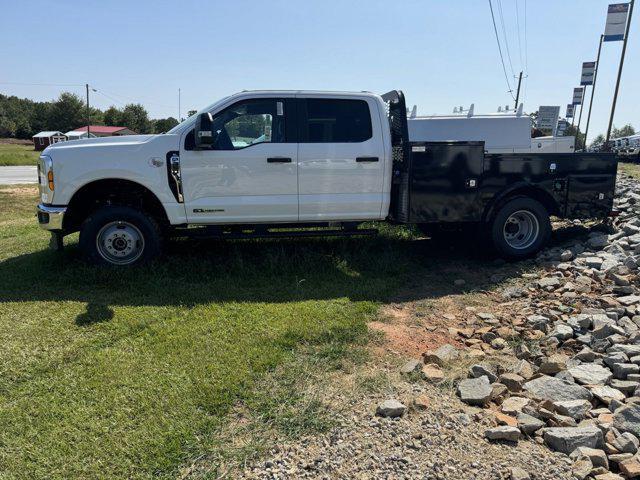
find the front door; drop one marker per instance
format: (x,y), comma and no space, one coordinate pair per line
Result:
(251,173)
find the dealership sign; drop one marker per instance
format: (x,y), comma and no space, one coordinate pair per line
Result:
(588,69)
(570,109)
(578,93)
(617,15)
(548,118)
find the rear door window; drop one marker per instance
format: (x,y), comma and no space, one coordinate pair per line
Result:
(335,121)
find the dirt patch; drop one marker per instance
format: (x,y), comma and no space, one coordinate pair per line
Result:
(16,141)
(27,191)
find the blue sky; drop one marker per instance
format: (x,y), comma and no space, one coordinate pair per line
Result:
(441,53)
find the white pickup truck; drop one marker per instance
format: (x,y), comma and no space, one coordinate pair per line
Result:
(269,163)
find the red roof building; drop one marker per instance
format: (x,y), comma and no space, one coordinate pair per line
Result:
(105,131)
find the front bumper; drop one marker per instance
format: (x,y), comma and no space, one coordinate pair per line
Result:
(51,218)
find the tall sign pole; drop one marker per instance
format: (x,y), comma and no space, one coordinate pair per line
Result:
(518,94)
(593,92)
(88,111)
(575,140)
(624,50)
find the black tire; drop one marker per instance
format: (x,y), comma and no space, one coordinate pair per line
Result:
(119,236)
(520,228)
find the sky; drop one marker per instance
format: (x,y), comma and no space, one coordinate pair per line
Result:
(441,53)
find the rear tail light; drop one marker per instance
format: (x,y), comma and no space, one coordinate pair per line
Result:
(50,180)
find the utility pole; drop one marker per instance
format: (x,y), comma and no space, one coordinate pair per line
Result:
(575,140)
(593,92)
(518,94)
(88,111)
(615,95)
(179,106)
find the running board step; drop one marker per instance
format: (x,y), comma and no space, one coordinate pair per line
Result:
(217,233)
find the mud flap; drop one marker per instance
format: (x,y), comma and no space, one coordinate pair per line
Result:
(56,242)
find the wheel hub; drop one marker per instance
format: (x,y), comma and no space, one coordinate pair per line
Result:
(521,230)
(120,243)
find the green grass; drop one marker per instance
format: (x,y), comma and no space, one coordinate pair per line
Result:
(13,154)
(105,374)
(142,373)
(632,169)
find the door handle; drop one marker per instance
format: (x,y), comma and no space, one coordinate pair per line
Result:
(279,160)
(367,159)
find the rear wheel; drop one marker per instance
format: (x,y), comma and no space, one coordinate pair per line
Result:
(119,236)
(520,228)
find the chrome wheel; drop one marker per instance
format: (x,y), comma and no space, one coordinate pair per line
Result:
(120,243)
(521,229)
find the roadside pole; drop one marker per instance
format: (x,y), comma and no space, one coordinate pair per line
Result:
(88,111)
(518,94)
(593,91)
(575,140)
(615,95)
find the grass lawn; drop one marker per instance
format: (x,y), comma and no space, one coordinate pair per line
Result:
(632,169)
(141,373)
(132,374)
(15,154)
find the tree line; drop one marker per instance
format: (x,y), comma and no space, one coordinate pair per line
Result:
(23,118)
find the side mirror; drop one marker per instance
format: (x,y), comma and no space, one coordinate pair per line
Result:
(203,131)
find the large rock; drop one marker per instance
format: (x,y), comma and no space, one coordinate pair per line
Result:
(475,391)
(629,300)
(391,408)
(606,394)
(556,390)
(576,409)
(566,440)
(443,355)
(598,457)
(627,419)
(514,405)
(591,374)
(506,433)
(529,424)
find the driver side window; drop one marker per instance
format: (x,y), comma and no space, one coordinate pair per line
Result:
(248,123)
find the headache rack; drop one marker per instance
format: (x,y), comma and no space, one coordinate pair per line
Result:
(397,115)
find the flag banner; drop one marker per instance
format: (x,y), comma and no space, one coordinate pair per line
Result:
(570,109)
(548,117)
(616,22)
(577,95)
(588,69)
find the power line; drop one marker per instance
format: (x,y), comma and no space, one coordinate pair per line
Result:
(519,39)
(504,68)
(506,39)
(43,84)
(526,40)
(131,99)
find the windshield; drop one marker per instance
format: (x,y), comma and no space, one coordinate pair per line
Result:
(191,119)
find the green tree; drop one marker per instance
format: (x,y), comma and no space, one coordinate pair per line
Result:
(575,132)
(135,117)
(191,112)
(112,116)
(67,113)
(164,124)
(625,131)
(597,141)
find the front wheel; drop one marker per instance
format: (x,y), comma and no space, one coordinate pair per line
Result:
(119,236)
(520,228)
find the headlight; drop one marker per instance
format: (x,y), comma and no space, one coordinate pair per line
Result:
(46,179)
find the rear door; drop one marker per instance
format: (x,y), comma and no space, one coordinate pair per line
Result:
(340,158)
(251,174)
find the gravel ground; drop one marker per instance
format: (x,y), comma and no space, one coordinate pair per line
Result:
(443,441)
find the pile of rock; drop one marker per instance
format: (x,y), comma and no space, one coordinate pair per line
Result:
(575,382)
